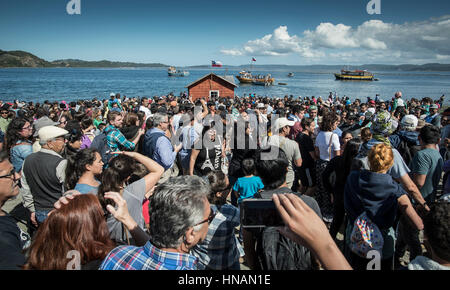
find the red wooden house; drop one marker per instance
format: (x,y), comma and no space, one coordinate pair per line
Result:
(212,85)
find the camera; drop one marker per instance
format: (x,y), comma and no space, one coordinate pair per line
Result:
(260,213)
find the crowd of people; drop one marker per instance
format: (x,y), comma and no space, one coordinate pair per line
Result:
(160,182)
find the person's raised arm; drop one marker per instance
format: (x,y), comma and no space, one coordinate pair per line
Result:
(305,227)
(194,155)
(156,170)
(121,214)
(205,109)
(138,136)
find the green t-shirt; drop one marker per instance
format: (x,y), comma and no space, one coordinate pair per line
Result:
(428,162)
(97,122)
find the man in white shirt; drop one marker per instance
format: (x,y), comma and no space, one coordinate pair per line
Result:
(282,128)
(144,108)
(400,102)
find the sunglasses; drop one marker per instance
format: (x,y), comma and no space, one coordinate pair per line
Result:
(210,218)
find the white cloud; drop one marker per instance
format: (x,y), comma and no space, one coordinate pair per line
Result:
(233,52)
(372,40)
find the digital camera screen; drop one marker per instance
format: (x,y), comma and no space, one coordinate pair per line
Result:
(260,213)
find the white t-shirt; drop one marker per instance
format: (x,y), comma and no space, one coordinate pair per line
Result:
(323,143)
(147,112)
(400,102)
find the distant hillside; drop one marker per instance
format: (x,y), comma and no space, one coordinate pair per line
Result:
(25,59)
(101,63)
(21,59)
(369,67)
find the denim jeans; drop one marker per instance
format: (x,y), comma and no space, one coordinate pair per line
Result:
(41,215)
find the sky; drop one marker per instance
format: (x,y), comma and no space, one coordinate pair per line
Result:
(194,32)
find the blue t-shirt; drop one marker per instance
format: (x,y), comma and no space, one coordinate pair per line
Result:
(85,188)
(247,187)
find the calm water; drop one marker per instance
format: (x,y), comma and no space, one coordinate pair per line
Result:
(38,84)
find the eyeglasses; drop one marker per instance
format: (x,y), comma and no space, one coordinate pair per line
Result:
(11,173)
(27,128)
(4,113)
(210,218)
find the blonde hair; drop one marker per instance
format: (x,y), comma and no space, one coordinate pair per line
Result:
(366,135)
(381,158)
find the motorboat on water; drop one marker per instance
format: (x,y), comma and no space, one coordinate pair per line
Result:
(246,77)
(291,74)
(173,72)
(360,75)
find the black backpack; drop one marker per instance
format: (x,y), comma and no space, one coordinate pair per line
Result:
(276,252)
(407,150)
(101,145)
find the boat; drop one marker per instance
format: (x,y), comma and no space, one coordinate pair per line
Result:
(360,75)
(173,72)
(291,74)
(245,77)
(282,84)
(263,80)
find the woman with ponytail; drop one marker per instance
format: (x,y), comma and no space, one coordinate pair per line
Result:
(117,178)
(83,171)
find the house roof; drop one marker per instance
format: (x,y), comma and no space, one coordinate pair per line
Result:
(228,79)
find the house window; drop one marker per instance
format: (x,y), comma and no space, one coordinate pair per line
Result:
(213,94)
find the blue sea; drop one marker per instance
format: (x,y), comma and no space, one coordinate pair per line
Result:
(57,84)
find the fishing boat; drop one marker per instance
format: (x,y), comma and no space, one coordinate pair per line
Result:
(291,74)
(360,75)
(245,77)
(173,72)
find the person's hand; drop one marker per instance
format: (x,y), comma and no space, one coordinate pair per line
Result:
(66,198)
(303,225)
(129,153)
(178,147)
(141,131)
(33,219)
(121,212)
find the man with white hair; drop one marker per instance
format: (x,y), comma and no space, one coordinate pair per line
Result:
(158,146)
(180,215)
(43,174)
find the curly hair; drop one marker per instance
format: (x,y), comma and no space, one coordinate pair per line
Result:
(328,122)
(381,158)
(13,132)
(437,229)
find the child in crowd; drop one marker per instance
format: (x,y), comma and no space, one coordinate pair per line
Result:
(247,186)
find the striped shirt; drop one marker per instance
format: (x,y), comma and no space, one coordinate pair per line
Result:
(147,257)
(220,250)
(115,138)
